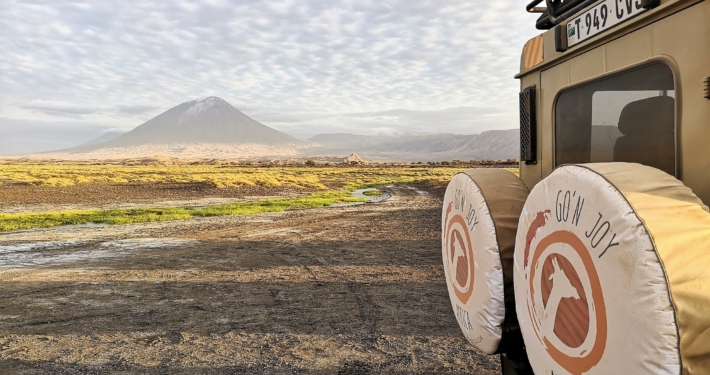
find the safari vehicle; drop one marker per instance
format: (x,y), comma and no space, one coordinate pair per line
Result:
(595,260)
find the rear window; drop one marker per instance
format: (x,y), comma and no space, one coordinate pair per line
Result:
(627,117)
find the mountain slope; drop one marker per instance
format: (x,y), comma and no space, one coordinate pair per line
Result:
(430,143)
(211,128)
(489,145)
(108,136)
(209,121)
(345,141)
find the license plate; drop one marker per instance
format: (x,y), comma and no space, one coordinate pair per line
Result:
(603,16)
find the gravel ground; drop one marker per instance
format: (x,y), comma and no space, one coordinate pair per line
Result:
(346,290)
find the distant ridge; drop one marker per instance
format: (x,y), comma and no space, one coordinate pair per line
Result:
(213,129)
(489,145)
(209,121)
(108,136)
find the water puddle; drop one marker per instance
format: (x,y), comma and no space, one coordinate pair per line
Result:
(418,191)
(148,243)
(53,253)
(80,226)
(360,193)
(38,259)
(48,245)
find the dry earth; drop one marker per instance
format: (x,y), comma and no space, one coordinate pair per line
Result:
(347,290)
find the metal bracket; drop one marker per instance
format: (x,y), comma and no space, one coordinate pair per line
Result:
(650,4)
(561,38)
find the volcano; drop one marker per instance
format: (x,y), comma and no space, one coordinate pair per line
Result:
(209,121)
(213,129)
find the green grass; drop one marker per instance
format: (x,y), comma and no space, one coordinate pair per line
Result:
(12,222)
(333,185)
(373,193)
(312,179)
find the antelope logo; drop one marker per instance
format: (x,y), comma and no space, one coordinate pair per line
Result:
(564,299)
(561,288)
(459,257)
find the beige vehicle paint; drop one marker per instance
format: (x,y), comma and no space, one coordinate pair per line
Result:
(676,33)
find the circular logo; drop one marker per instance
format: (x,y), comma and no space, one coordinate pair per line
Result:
(591,293)
(565,301)
(478,304)
(459,257)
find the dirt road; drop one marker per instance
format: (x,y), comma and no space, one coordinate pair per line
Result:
(348,290)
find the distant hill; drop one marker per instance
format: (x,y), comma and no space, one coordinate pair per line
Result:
(489,145)
(209,121)
(209,128)
(431,143)
(108,136)
(347,141)
(212,128)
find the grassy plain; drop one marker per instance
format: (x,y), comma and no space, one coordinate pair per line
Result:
(321,291)
(331,185)
(222,176)
(11,222)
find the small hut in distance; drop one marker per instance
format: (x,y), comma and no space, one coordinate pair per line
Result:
(354,159)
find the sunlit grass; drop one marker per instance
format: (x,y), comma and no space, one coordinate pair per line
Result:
(315,178)
(331,185)
(12,222)
(373,193)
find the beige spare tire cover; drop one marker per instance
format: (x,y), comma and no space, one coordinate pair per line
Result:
(612,273)
(479,220)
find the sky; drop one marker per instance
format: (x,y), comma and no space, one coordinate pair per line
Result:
(71,70)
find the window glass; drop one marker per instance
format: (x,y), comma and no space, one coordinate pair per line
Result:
(627,117)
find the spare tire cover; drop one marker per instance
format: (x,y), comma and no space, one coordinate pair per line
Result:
(479,220)
(599,282)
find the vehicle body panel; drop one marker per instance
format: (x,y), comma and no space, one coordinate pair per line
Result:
(676,33)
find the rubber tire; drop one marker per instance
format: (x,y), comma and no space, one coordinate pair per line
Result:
(612,267)
(479,221)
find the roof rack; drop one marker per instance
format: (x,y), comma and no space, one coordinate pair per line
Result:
(556,11)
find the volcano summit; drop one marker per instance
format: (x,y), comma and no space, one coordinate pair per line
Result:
(206,128)
(211,120)
(213,129)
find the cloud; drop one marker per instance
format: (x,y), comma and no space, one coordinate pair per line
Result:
(59,109)
(461,120)
(25,136)
(137,109)
(306,66)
